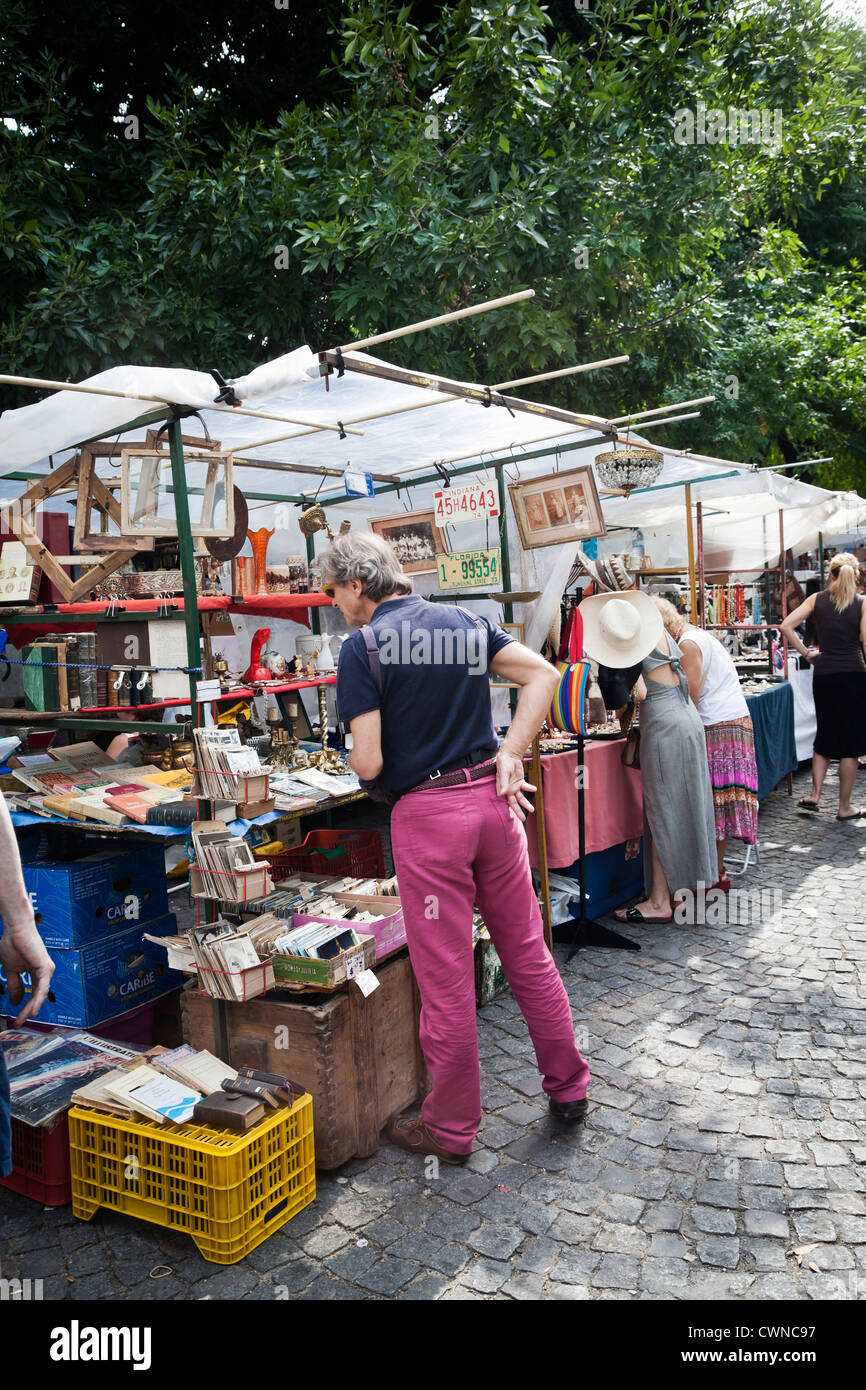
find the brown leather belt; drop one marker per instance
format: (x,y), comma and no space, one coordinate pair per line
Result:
(452,779)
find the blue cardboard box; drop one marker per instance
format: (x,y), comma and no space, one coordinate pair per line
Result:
(106,978)
(77,901)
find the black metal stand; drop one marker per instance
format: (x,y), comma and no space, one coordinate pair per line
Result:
(586,931)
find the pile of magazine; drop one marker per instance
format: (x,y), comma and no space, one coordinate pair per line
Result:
(45,1069)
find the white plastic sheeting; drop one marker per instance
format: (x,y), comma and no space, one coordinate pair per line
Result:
(416,428)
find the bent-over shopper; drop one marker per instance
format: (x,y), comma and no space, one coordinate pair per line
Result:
(456,830)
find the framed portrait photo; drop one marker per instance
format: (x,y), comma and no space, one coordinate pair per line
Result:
(415,537)
(556,508)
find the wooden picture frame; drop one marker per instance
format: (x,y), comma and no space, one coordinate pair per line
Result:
(20,517)
(413,531)
(95,493)
(557,508)
(140,490)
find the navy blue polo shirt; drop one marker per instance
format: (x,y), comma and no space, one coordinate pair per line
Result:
(435,702)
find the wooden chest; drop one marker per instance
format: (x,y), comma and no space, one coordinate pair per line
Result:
(359,1058)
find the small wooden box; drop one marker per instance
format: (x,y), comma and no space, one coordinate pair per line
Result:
(290,972)
(359,1058)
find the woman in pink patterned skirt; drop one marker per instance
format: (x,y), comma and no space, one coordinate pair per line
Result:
(715,690)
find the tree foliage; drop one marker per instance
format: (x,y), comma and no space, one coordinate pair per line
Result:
(287,185)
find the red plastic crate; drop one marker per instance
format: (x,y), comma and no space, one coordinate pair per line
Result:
(40,1156)
(362,859)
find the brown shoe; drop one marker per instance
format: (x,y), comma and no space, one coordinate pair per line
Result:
(410,1132)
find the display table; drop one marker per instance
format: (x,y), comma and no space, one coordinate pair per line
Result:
(614,803)
(772,713)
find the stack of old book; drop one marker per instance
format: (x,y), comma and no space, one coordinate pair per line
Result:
(80,783)
(187,1086)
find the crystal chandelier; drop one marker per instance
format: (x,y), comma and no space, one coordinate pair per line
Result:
(632,467)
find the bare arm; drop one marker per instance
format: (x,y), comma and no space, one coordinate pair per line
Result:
(538,680)
(21,946)
(366,755)
(691,664)
(793,620)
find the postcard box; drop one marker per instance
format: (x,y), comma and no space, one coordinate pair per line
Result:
(105,978)
(81,900)
(389,929)
(296,971)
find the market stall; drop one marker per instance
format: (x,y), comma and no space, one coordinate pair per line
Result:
(301,448)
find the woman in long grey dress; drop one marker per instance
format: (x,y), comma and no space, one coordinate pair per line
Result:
(679,820)
(621,630)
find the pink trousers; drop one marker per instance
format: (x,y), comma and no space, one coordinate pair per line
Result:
(455,847)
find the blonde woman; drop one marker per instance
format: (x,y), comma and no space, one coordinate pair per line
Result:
(839,685)
(714,687)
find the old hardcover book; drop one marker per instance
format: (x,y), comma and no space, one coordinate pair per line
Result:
(228,1112)
(133,804)
(73,676)
(176,813)
(39,676)
(87,669)
(92,806)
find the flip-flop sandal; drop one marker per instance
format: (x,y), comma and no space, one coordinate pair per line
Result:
(631,914)
(809,805)
(856,816)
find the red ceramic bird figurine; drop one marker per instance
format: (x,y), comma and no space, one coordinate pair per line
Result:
(256,671)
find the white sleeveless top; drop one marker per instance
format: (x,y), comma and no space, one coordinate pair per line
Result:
(721,696)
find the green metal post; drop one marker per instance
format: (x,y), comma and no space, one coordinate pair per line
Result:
(821,556)
(193,650)
(315,625)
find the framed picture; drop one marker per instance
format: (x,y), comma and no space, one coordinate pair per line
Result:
(556,508)
(415,537)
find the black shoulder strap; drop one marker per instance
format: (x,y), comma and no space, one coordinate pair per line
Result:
(373,657)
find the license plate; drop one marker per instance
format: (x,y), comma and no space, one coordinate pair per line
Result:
(469,569)
(473,502)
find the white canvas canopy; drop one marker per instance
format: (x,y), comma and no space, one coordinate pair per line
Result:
(402,431)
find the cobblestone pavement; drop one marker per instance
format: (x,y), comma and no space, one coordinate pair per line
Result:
(727,1126)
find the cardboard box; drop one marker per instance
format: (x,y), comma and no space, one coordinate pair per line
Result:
(239,887)
(323,974)
(105,978)
(77,901)
(389,931)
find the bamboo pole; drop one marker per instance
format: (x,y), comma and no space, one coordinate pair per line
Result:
(444,400)
(452,317)
(541,836)
(41,383)
(661,410)
(691,540)
(702,602)
(561,371)
(668,420)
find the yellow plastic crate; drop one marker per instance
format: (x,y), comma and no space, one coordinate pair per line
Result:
(228,1191)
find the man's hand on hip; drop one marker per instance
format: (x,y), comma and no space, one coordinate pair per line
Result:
(511,783)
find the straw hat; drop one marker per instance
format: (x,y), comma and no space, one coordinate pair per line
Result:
(620,629)
(609,574)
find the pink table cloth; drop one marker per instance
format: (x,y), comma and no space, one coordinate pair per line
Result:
(613,801)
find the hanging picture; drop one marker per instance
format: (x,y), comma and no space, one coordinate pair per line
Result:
(556,508)
(415,537)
